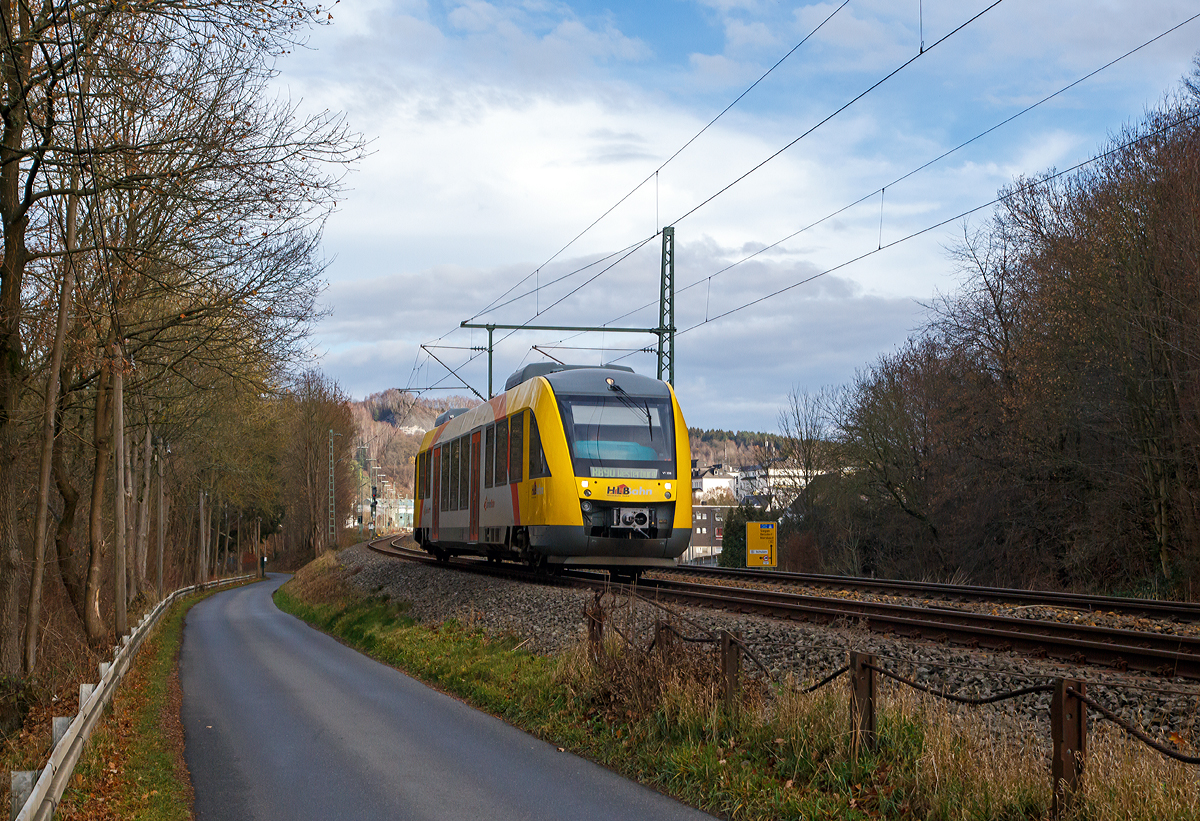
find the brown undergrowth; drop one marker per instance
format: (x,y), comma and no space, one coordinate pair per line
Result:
(65,661)
(141,725)
(322,581)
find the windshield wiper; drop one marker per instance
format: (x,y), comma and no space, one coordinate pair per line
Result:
(628,402)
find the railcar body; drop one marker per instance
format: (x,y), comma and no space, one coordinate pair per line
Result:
(578,466)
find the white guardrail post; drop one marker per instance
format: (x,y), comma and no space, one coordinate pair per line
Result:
(41,789)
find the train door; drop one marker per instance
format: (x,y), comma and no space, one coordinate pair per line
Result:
(436,496)
(474,478)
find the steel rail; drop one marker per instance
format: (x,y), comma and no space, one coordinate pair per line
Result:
(1159,654)
(1149,608)
(482,566)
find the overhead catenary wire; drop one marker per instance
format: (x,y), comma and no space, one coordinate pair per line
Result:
(879,191)
(730,185)
(654,174)
(622,254)
(708,279)
(804,134)
(836,112)
(1033,184)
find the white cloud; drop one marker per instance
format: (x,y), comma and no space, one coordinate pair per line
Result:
(501,130)
(740,35)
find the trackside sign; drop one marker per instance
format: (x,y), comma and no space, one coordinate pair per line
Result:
(760,544)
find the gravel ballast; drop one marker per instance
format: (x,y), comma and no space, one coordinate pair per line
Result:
(550,619)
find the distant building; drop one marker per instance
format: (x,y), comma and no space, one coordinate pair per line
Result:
(714,477)
(390,514)
(404,513)
(708,531)
(761,485)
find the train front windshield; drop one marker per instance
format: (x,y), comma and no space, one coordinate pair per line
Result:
(619,436)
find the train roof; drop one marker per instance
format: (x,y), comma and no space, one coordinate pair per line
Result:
(536,369)
(594,382)
(448,414)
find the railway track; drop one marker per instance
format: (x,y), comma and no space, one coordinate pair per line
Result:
(1144,608)
(1159,654)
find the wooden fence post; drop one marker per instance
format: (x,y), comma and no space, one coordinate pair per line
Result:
(664,640)
(1068,734)
(595,622)
(862,702)
(731,667)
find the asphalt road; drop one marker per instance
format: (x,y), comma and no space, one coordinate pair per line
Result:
(283,722)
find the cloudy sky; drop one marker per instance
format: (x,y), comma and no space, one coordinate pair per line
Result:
(501,131)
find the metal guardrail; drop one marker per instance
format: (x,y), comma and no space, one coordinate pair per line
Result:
(51,781)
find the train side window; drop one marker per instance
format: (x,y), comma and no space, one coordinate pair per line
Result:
(464,475)
(464,471)
(425,478)
(502,452)
(489,455)
(537,456)
(516,441)
(417,476)
(455,463)
(445,477)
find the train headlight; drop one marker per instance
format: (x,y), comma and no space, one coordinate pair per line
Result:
(586,505)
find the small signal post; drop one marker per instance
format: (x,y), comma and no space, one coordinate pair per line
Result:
(760,544)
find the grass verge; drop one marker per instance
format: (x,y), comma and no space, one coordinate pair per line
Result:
(133,765)
(781,754)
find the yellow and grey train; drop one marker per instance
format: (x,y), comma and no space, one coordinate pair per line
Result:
(570,466)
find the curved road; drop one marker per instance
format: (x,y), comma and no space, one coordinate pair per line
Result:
(283,722)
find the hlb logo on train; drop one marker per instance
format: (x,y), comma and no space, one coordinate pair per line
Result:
(626,490)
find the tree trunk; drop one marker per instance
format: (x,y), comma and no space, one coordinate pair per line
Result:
(120,581)
(34,612)
(68,566)
(102,445)
(129,509)
(162,521)
(14,221)
(142,539)
(202,546)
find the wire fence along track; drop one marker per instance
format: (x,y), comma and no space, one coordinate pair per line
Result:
(1068,720)
(1068,706)
(1150,608)
(1165,655)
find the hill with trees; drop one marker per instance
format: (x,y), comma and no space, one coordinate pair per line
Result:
(733,448)
(391,425)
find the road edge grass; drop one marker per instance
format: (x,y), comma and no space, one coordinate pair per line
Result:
(133,765)
(782,754)
(679,740)
(712,770)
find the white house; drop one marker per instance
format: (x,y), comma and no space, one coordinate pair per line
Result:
(714,477)
(779,482)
